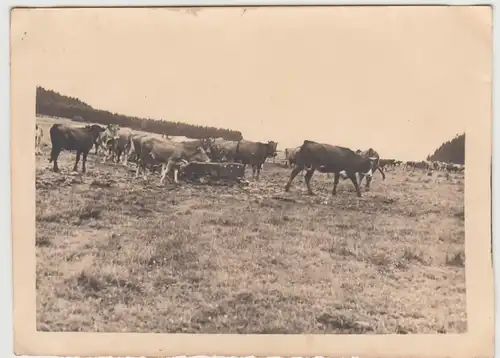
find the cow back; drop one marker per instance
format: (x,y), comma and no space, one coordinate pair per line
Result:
(330,158)
(252,153)
(71,138)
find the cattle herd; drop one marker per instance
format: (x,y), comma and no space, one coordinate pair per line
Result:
(150,151)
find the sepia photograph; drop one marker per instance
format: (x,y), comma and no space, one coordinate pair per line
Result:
(300,170)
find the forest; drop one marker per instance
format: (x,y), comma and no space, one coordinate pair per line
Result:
(452,151)
(52,103)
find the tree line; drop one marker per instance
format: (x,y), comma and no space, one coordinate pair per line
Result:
(452,151)
(52,103)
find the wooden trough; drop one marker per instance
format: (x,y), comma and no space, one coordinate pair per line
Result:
(214,171)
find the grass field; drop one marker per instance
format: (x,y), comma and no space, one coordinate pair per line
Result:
(117,254)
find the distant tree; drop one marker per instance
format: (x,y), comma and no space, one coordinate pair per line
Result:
(52,103)
(452,151)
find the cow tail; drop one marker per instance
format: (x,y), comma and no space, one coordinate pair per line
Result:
(237,152)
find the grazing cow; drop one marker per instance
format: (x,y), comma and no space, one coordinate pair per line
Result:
(255,154)
(143,143)
(171,155)
(327,158)
(79,139)
(370,153)
(38,138)
(290,154)
(152,150)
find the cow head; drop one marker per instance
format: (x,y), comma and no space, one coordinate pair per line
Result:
(366,166)
(272,149)
(199,155)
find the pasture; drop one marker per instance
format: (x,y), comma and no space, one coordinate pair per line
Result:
(118,254)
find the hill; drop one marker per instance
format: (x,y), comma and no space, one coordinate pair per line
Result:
(451,151)
(52,103)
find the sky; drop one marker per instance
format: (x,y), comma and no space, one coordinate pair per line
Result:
(401,80)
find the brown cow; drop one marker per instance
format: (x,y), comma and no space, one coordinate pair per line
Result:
(255,154)
(290,154)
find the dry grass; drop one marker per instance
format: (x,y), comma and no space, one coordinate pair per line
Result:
(115,254)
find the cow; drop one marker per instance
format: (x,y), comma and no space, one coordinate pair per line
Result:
(370,153)
(255,154)
(123,144)
(97,139)
(134,151)
(421,165)
(171,155)
(79,139)
(386,163)
(38,138)
(105,139)
(456,168)
(222,150)
(118,141)
(327,158)
(290,154)
(153,150)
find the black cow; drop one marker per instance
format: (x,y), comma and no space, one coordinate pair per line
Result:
(327,158)
(79,139)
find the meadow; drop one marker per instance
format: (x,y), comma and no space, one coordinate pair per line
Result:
(116,253)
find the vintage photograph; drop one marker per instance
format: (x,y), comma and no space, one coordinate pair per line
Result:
(242,171)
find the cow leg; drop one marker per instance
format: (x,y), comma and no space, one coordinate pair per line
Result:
(164,170)
(259,166)
(381,172)
(294,173)
(75,167)
(176,175)
(53,157)
(118,155)
(137,170)
(307,177)
(368,181)
(84,161)
(355,182)
(361,176)
(54,154)
(336,177)
(125,156)
(167,170)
